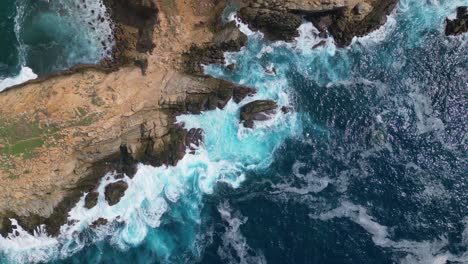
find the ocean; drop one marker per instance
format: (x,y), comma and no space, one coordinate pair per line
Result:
(370,167)
(39,37)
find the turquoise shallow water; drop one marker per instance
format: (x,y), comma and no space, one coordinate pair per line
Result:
(369,168)
(39,37)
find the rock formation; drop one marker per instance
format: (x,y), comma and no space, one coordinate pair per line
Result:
(61,134)
(344,19)
(115,191)
(259,110)
(459,25)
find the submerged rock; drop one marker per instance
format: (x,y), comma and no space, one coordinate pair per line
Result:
(459,25)
(259,110)
(115,191)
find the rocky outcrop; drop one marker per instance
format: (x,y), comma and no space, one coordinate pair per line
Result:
(99,222)
(275,24)
(279,19)
(63,134)
(260,110)
(227,38)
(75,128)
(134,22)
(115,191)
(459,25)
(91,199)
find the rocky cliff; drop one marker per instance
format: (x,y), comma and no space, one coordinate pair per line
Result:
(343,19)
(59,135)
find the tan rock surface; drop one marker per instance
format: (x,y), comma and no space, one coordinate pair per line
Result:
(53,131)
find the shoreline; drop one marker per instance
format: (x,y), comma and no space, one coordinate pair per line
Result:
(93,120)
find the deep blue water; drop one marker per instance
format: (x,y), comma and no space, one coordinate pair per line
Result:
(371,167)
(39,37)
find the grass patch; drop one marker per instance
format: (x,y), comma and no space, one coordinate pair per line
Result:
(86,120)
(97,101)
(20,138)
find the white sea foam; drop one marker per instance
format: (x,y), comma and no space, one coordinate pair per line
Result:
(234,241)
(24,75)
(417,252)
(228,152)
(309,183)
(378,35)
(86,45)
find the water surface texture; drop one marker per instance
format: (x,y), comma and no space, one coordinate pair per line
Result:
(371,167)
(39,37)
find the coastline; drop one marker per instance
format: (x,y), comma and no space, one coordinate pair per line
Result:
(114,128)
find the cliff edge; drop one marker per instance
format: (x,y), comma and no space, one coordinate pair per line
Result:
(60,134)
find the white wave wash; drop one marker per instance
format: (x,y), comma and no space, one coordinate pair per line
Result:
(229,151)
(24,75)
(86,43)
(418,252)
(233,241)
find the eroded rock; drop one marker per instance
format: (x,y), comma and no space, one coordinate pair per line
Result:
(279,19)
(228,38)
(99,222)
(260,110)
(115,191)
(459,25)
(91,199)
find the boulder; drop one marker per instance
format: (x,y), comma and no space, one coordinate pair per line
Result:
(115,191)
(99,222)
(259,110)
(91,199)
(459,25)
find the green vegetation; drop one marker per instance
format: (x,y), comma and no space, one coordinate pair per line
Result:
(20,137)
(86,120)
(97,101)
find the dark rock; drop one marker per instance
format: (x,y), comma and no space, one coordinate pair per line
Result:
(231,67)
(459,25)
(197,56)
(320,44)
(276,25)
(141,15)
(344,23)
(194,139)
(91,199)
(259,110)
(115,191)
(286,109)
(241,92)
(99,222)
(345,28)
(143,64)
(228,38)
